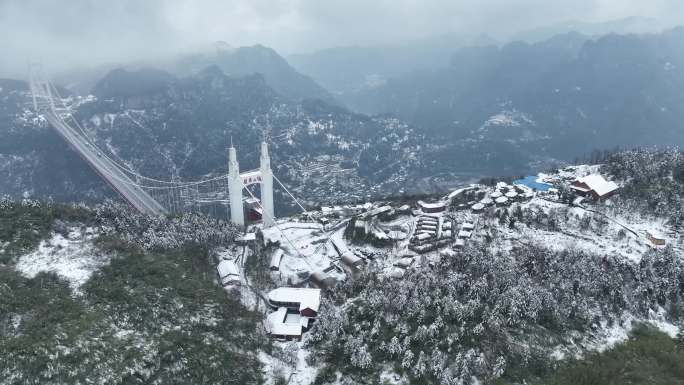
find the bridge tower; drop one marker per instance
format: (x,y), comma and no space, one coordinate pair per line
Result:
(266,187)
(237,181)
(237,213)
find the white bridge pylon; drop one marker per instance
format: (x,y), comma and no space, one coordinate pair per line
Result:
(237,182)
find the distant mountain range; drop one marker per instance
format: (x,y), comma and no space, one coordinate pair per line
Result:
(235,62)
(479,110)
(563,96)
(344,70)
(624,26)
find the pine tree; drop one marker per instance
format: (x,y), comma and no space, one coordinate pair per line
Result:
(407,361)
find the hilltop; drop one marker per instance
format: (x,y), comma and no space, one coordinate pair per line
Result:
(458,287)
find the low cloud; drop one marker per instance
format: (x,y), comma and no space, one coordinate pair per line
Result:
(63,34)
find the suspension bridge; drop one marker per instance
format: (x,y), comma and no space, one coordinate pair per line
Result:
(154,196)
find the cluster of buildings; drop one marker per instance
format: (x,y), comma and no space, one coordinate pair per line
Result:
(432,231)
(505,194)
(366,225)
(294,312)
(594,187)
(464,234)
(362,228)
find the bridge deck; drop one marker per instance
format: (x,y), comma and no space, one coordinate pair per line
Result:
(116,178)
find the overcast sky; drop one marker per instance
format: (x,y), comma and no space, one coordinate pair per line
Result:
(70,32)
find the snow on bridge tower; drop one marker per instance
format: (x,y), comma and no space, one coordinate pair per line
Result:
(237,213)
(266,187)
(236,182)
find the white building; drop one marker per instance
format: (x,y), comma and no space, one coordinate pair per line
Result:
(276,257)
(284,324)
(467,226)
(436,207)
(295,308)
(305,300)
(464,234)
(228,273)
(594,186)
(351,260)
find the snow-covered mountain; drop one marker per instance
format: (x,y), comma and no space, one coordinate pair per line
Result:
(577,94)
(510,291)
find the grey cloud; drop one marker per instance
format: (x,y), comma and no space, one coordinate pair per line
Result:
(84,32)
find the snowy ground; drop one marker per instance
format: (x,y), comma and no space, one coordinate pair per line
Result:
(296,371)
(72,257)
(307,248)
(569,173)
(607,336)
(572,235)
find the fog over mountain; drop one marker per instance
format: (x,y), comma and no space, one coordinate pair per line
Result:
(358,192)
(89,32)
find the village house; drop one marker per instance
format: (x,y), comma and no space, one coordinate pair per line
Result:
(351,260)
(594,186)
(286,325)
(323,280)
(655,238)
(467,226)
(501,201)
(512,195)
(276,257)
(436,207)
(304,300)
(296,309)
(477,207)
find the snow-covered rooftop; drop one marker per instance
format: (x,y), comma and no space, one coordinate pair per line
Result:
(275,259)
(432,206)
(226,268)
(305,297)
(598,184)
(228,272)
(350,259)
(281,323)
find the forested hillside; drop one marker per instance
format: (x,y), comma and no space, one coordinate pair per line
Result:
(511,308)
(133,300)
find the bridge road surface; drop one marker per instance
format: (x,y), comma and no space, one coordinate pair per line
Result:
(133,194)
